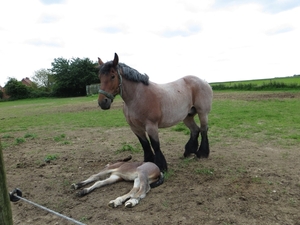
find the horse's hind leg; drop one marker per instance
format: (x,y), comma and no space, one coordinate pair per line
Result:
(91,179)
(192,145)
(204,146)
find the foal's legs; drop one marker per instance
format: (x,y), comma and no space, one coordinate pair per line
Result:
(140,188)
(119,200)
(91,179)
(144,188)
(110,180)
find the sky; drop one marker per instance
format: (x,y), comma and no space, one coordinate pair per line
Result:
(216,40)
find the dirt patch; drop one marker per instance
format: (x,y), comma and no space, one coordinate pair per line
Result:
(242,182)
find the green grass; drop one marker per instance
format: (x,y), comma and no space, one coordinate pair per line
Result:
(274,121)
(19,141)
(287,80)
(49,158)
(30,136)
(287,83)
(59,138)
(263,120)
(205,171)
(23,115)
(7,136)
(129,148)
(271,120)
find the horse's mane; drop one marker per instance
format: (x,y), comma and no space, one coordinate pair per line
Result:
(128,72)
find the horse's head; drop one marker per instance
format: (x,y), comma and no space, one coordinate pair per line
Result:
(110,82)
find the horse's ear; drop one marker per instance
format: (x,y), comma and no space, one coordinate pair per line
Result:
(100,62)
(116,60)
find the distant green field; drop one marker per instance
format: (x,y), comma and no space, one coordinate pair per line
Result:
(286,80)
(289,83)
(261,120)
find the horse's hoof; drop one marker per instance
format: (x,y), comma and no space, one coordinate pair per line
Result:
(202,155)
(131,203)
(128,205)
(74,186)
(81,193)
(112,204)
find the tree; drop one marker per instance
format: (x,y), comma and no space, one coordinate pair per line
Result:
(43,78)
(16,90)
(72,76)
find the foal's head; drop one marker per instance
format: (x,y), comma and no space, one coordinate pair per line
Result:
(110,82)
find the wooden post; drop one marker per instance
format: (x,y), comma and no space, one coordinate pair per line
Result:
(5,209)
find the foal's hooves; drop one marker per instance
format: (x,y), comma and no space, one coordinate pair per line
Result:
(111,204)
(128,205)
(74,186)
(81,193)
(131,203)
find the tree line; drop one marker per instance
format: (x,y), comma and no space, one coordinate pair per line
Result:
(66,78)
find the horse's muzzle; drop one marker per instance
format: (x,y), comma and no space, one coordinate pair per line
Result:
(105,103)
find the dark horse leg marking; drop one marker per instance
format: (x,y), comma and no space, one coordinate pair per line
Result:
(159,159)
(203,151)
(192,145)
(148,153)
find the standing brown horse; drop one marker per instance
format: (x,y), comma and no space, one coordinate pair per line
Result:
(149,106)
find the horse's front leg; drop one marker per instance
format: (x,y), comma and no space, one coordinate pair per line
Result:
(159,159)
(148,153)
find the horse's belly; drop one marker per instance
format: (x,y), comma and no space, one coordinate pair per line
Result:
(173,116)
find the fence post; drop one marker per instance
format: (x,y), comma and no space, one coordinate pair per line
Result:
(5,209)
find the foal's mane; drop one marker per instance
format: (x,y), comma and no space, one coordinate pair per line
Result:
(128,72)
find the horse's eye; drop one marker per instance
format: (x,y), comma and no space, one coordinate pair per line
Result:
(113,77)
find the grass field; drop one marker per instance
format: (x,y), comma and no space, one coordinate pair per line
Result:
(286,80)
(250,177)
(284,83)
(273,120)
(33,113)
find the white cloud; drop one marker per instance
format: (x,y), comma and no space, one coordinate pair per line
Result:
(168,39)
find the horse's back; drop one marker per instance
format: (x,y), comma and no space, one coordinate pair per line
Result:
(188,86)
(181,95)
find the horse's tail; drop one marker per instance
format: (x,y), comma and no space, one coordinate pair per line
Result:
(159,181)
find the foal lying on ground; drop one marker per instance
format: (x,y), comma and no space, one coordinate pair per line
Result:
(146,175)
